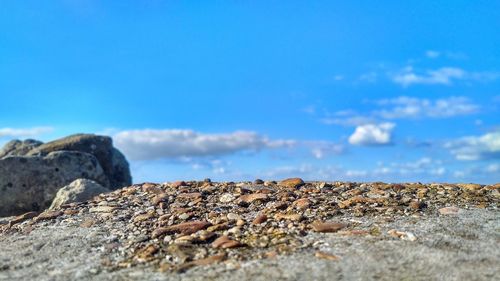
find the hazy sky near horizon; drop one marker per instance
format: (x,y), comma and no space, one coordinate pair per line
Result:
(237,90)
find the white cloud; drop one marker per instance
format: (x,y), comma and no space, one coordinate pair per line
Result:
(410,107)
(156,144)
(432,54)
(482,147)
(444,75)
(322,149)
(370,77)
(24,132)
(372,134)
(402,107)
(441,76)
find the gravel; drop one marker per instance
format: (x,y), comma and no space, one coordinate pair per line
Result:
(407,245)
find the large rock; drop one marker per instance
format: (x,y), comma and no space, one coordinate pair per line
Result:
(113,163)
(78,191)
(18,148)
(31,183)
(31,172)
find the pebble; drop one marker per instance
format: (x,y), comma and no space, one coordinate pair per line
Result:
(102,209)
(261,218)
(249,198)
(319,226)
(326,256)
(449,211)
(225,242)
(292,182)
(48,215)
(402,235)
(226,198)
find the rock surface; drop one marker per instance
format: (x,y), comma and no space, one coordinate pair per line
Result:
(18,148)
(112,161)
(31,172)
(124,235)
(31,183)
(79,190)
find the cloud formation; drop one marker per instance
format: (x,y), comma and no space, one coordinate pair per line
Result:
(410,107)
(482,147)
(24,132)
(156,144)
(441,76)
(372,134)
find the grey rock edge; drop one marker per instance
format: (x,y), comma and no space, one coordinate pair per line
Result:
(31,172)
(78,191)
(31,183)
(462,247)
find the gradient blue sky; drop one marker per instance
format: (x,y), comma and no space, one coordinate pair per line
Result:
(236,90)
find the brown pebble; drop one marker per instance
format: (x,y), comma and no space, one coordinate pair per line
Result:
(249,198)
(225,242)
(178,184)
(449,210)
(327,226)
(21,218)
(291,217)
(190,196)
(48,215)
(302,203)
(185,228)
(160,198)
(292,182)
(143,217)
(87,223)
(416,205)
(260,219)
(326,256)
(71,212)
(152,188)
(146,253)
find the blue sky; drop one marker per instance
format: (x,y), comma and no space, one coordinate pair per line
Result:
(233,90)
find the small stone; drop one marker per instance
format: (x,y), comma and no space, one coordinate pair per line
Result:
(233,217)
(184,216)
(102,209)
(449,210)
(48,215)
(225,242)
(302,203)
(87,223)
(240,222)
(326,256)
(190,196)
(185,228)
(417,205)
(292,182)
(261,218)
(226,198)
(152,188)
(249,198)
(146,253)
(143,217)
(258,181)
(327,226)
(402,235)
(160,198)
(178,184)
(21,218)
(292,217)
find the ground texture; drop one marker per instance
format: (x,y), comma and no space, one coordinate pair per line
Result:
(288,230)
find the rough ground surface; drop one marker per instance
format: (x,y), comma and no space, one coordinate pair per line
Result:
(397,232)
